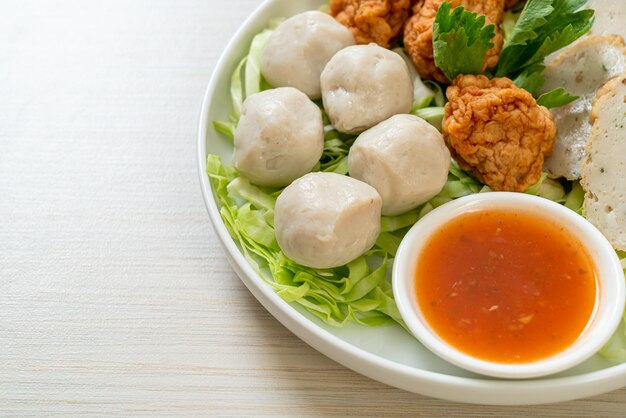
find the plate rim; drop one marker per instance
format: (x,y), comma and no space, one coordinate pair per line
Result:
(420,381)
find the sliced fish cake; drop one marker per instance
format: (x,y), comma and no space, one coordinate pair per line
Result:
(605,165)
(609,19)
(580,69)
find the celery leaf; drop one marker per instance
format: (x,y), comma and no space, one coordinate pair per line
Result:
(460,41)
(555,98)
(543,27)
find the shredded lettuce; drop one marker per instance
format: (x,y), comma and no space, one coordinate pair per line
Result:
(246,80)
(237,92)
(225,128)
(356,292)
(428,97)
(336,147)
(615,349)
(432,115)
(252,79)
(575,198)
(423,96)
(325,7)
(548,188)
(440,99)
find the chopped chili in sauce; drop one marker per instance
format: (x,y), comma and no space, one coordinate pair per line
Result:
(504,286)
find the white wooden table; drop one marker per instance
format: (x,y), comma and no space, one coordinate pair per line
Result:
(116,298)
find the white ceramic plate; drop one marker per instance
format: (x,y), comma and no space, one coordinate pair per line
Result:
(387,354)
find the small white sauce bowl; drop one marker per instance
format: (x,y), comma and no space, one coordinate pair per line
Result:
(610,280)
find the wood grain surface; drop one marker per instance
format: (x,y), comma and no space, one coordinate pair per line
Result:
(116,296)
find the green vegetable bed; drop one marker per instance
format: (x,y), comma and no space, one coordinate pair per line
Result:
(360,291)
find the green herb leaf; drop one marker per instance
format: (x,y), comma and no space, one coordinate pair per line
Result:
(555,98)
(530,79)
(460,41)
(532,18)
(543,27)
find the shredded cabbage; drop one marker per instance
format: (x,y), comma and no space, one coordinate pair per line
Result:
(356,292)
(432,115)
(428,98)
(359,291)
(615,349)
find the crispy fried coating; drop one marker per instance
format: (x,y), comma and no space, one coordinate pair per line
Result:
(510,3)
(498,131)
(418,33)
(378,21)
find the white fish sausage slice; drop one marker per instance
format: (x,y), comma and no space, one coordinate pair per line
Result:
(580,69)
(604,168)
(609,17)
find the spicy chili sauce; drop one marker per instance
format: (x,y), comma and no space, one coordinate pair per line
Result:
(506,287)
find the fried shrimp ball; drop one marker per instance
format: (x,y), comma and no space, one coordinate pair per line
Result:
(498,131)
(378,21)
(418,33)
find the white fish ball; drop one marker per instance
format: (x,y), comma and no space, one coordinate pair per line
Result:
(279,137)
(404,158)
(325,220)
(363,85)
(299,49)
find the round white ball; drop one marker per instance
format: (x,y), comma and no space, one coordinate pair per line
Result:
(363,85)
(299,49)
(325,220)
(279,137)
(404,158)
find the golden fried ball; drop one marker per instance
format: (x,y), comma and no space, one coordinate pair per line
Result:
(379,21)
(498,131)
(510,3)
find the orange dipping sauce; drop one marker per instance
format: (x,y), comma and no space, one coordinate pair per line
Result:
(506,287)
